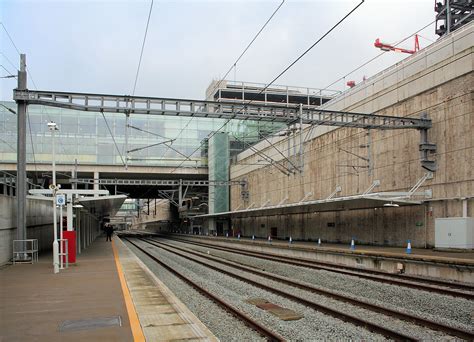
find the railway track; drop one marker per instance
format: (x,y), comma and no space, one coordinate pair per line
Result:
(264,331)
(424,284)
(373,327)
(307,287)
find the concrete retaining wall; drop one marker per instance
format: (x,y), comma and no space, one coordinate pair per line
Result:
(39,218)
(438,81)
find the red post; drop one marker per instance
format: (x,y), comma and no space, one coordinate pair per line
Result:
(71,245)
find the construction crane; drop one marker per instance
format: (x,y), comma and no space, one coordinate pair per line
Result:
(387,47)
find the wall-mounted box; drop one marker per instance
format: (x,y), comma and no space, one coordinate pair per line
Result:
(454,232)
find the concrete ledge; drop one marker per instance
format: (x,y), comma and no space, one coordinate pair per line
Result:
(443,267)
(162,315)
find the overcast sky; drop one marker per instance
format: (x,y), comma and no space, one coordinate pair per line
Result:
(94,46)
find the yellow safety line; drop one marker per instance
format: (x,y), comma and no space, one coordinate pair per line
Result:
(132,314)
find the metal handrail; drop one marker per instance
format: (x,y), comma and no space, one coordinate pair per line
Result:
(63,253)
(24,248)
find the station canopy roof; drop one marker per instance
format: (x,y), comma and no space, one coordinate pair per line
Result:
(103,206)
(356,202)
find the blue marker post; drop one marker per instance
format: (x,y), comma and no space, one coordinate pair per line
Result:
(409,247)
(353,247)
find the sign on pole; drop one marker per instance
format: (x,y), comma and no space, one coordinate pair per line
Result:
(60,199)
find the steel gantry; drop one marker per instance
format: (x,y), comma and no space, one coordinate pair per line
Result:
(287,113)
(155,182)
(129,105)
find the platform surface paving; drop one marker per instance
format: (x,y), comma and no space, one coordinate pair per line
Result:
(76,304)
(163,317)
(108,295)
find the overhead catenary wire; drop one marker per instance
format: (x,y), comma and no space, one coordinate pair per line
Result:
(234,65)
(143,48)
(168,145)
(276,78)
(113,138)
(8,71)
(31,139)
(377,56)
(363,65)
(30,76)
(8,60)
(9,37)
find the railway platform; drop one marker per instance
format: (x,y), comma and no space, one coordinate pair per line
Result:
(107,295)
(449,265)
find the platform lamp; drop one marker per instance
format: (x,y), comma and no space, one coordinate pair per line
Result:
(54,188)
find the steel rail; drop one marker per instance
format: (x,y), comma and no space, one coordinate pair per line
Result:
(308,287)
(316,306)
(270,335)
(347,270)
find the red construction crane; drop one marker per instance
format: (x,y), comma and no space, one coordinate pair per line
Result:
(387,47)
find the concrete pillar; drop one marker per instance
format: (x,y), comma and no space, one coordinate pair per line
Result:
(69,214)
(84,230)
(96,182)
(464,207)
(78,231)
(89,221)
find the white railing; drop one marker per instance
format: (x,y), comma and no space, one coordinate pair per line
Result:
(25,251)
(63,254)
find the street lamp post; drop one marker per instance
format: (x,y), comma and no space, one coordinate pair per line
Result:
(54,188)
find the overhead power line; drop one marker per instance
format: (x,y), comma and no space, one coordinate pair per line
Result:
(43,111)
(9,37)
(143,47)
(8,60)
(276,78)
(377,56)
(249,45)
(233,65)
(313,45)
(8,71)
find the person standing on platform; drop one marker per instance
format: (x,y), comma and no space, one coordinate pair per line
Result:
(109,230)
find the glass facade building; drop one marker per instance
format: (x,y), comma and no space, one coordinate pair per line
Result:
(87,137)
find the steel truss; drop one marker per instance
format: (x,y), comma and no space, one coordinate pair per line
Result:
(155,182)
(288,113)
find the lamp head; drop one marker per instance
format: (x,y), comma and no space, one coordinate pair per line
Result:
(52,126)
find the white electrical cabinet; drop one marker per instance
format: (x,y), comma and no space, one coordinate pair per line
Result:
(454,232)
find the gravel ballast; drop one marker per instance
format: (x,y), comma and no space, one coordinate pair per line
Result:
(444,309)
(314,325)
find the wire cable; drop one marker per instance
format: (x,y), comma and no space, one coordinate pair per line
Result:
(31,140)
(143,48)
(279,75)
(9,73)
(377,56)
(30,76)
(312,46)
(234,65)
(8,60)
(249,45)
(9,37)
(113,138)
